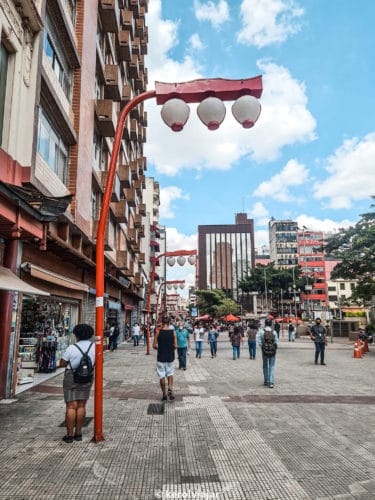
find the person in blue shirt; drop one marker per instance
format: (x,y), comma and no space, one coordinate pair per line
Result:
(183,343)
(268,342)
(212,340)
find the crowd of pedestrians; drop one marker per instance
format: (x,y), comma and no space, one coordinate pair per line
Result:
(174,335)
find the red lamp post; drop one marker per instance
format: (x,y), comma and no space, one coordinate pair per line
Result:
(166,283)
(208,92)
(175,253)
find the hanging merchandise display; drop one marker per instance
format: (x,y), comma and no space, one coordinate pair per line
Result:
(46,331)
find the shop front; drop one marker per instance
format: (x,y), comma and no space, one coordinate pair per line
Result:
(46,324)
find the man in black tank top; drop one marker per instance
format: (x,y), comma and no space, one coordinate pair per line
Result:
(165,341)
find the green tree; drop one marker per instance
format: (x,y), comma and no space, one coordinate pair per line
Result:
(216,303)
(355,247)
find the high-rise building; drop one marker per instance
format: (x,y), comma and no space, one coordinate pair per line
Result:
(283,243)
(66,70)
(225,255)
(312,262)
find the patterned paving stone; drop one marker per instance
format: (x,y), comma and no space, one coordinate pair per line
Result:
(226,436)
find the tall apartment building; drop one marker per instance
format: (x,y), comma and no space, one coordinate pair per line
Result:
(225,255)
(66,69)
(283,243)
(312,261)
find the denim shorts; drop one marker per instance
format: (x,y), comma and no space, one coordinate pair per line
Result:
(164,369)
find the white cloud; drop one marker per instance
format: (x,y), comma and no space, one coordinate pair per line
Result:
(196,42)
(180,241)
(260,213)
(163,37)
(325,225)
(261,238)
(351,173)
(284,119)
(277,187)
(268,21)
(167,196)
(215,13)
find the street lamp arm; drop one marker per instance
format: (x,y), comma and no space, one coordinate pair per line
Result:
(197,90)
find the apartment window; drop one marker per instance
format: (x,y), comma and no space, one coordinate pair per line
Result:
(71,7)
(52,148)
(100,153)
(54,53)
(3,84)
(342,286)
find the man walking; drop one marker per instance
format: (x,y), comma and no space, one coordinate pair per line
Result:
(165,341)
(136,334)
(183,343)
(268,342)
(319,336)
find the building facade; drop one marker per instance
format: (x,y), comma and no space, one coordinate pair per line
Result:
(225,255)
(283,243)
(67,69)
(312,262)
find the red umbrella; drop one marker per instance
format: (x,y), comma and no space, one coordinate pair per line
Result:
(231,317)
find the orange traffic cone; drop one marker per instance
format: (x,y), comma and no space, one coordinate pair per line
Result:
(362,346)
(357,350)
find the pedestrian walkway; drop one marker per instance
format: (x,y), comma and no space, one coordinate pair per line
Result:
(226,436)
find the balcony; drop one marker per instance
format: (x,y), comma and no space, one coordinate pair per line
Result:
(139,83)
(133,67)
(123,172)
(136,46)
(135,7)
(126,94)
(133,130)
(142,178)
(108,241)
(130,196)
(132,236)
(134,170)
(112,82)
(119,211)
(139,27)
(142,209)
(124,50)
(137,220)
(109,14)
(116,191)
(141,231)
(129,272)
(142,258)
(138,280)
(106,117)
(122,259)
(127,22)
(142,164)
(138,187)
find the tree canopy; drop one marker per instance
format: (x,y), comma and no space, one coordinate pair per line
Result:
(355,247)
(216,303)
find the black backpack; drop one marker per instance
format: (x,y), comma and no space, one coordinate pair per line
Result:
(269,345)
(84,373)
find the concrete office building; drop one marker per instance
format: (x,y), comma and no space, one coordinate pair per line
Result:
(225,255)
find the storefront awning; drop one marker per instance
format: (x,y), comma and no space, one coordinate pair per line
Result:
(9,281)
(56,279)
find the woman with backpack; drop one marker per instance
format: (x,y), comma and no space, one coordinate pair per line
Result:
(78,361)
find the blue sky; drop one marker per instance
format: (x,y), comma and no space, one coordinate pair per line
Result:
(311,155)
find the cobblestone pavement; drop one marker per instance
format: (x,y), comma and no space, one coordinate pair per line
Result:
(226,436)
